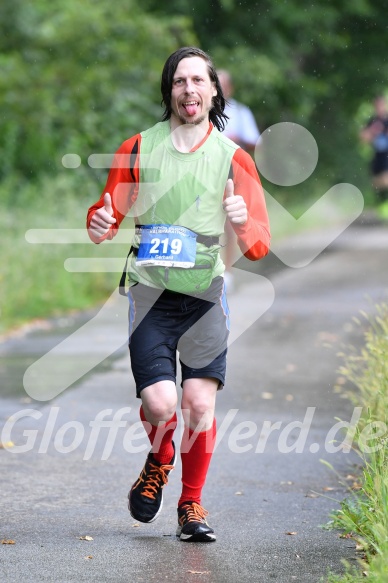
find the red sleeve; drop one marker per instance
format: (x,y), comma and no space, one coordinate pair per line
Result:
(254,235)
(122,184)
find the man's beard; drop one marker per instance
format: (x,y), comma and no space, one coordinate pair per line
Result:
(195,122)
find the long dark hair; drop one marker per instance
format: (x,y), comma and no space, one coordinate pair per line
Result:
(216,114)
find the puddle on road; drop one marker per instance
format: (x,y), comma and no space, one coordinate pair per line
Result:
(12,369)
(17,353)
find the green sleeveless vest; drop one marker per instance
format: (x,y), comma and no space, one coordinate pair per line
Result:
(184,189)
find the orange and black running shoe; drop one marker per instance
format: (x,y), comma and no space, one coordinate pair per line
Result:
(192,525)
(145,499)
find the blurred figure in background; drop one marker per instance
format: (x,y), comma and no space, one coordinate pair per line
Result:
(241,127)
(375,133)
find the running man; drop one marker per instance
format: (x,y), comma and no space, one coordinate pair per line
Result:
(179,180)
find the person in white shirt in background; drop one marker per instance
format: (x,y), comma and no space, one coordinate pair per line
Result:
(241,127)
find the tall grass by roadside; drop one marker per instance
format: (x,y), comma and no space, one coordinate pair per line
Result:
(363,515)
(33,280)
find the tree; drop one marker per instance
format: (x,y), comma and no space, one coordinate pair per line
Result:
(311,63)
(79,77)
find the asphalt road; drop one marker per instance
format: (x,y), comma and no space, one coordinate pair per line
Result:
(268,491)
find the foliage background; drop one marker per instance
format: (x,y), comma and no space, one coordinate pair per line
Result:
(81,77)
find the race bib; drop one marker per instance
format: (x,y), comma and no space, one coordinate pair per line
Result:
(167,246)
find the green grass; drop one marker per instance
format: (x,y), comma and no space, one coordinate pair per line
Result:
(353,576)
(363,515)
(34,282)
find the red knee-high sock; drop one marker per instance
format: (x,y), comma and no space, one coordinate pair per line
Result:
(160,437)
(196,452)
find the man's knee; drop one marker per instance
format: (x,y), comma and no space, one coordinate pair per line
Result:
(159,402)
(198,403)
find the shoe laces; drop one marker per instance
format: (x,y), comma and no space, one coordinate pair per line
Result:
(156,478)
(193,512)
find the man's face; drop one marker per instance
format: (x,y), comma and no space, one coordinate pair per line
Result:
(192,91)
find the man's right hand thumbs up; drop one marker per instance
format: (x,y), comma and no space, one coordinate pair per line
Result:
(108,203)
(103,219)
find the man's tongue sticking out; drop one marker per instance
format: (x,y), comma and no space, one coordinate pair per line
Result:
(191,107)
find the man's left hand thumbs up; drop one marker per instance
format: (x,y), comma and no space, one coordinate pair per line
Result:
(234,205)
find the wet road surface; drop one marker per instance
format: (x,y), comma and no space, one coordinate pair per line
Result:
(268,492)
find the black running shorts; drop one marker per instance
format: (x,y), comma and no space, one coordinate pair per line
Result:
(164,323)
